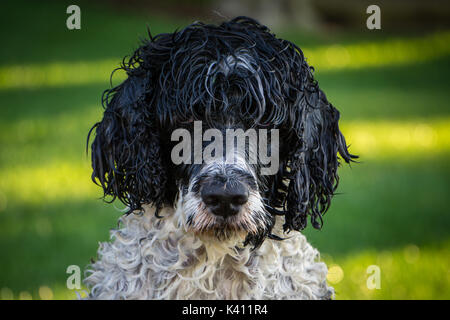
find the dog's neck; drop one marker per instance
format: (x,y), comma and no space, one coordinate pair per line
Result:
(157,258)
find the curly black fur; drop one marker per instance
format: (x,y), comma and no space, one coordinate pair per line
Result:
(169,82)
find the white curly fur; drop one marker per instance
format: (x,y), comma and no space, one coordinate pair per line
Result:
(152,258)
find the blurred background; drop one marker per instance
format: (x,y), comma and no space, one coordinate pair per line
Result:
(391,86)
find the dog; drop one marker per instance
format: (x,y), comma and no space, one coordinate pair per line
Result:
(215,229)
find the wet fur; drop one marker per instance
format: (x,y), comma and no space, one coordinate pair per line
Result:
(234,73)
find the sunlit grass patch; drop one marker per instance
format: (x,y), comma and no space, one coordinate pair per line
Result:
(55,182)
(335,57)
(32,142)
(59,74)
(44,292)
(45,129)
(410,272)
(386,139)
(390,52)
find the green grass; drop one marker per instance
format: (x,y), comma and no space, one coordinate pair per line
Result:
(392,210)
(37,33)
(409,272)
(390,93)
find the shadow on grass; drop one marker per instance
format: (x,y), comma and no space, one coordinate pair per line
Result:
(385,205)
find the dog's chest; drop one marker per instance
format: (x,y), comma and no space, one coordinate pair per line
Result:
(225,278)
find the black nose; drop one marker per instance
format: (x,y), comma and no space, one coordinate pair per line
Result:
(224,199)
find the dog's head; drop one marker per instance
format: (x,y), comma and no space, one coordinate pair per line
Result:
(226,122)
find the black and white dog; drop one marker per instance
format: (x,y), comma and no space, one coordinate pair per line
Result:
(215,223)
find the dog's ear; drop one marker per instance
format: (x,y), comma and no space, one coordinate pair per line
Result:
(126,152)
(311,167)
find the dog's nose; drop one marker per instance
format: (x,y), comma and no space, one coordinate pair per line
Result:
(224,199)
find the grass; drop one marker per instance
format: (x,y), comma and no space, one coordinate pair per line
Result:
(392,210)
(409,272)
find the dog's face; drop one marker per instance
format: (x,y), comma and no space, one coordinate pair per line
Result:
(220,176)
(228,123)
